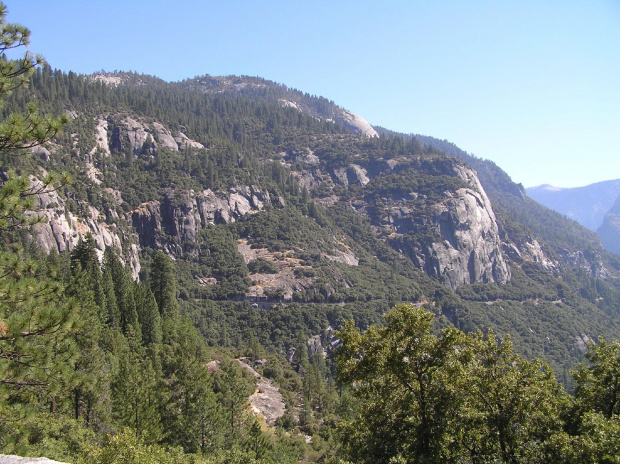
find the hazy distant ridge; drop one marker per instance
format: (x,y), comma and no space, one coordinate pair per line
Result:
(586,205)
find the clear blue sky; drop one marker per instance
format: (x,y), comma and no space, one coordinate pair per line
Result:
(532,85)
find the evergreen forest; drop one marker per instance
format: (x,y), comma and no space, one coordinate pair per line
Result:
(220,270)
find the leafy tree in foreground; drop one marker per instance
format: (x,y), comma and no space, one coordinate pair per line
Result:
(598,384)
(593,425)
(453,398)
(409,383)
(513,404)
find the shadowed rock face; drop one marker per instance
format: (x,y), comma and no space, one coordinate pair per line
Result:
(180,215)
(130,135)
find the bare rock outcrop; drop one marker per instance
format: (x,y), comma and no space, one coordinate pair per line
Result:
(7,459)
(180,215)
(351,174)
(184,142)
(266,401)
(462,244)
(101,133)
(470,250)
(130,135)
(324,344)
(356,123)
(345,256)
(61,230)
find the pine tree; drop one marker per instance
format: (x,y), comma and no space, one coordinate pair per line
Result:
(164,287)
(34,316)
(124,292)
(196,419)
(135,391)
(113,313)
(148,315)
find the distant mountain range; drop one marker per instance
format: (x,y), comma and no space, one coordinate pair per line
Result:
(595,206)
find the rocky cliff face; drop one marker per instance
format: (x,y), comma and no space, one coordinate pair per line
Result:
(180,215)
(128,134)
(61,230)
(455,239)
(469,248)
(463,245)
(164,224)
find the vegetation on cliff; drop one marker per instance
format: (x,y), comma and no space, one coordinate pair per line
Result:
(302,226)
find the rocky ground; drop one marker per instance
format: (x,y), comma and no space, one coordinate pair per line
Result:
(4,459)
(266,401)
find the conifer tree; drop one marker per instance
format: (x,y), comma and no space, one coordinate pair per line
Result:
(124,292)
(33,314)
(196,419)
(148,315)
(136,400)
(164,286)
(107,282)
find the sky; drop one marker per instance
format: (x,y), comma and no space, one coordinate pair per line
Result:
(532,85)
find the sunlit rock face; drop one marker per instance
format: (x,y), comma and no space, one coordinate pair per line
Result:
(60,230)
(463,244)
(470,251)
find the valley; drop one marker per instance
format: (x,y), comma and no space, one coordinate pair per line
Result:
(223,269)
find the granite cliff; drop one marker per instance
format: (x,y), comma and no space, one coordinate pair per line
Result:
(463,247)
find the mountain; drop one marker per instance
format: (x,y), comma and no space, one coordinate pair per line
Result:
(586,205)
(261,89)
(609,231)
(215,239)
(272,202)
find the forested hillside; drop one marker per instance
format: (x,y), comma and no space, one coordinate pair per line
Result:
(173,251)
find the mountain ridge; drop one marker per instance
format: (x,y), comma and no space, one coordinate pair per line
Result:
(171,167)
(587,204)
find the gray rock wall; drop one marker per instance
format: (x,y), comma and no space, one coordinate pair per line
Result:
(61,230)
(464,245)
(180,215)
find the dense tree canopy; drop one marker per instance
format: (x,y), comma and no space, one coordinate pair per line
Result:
(469,398)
